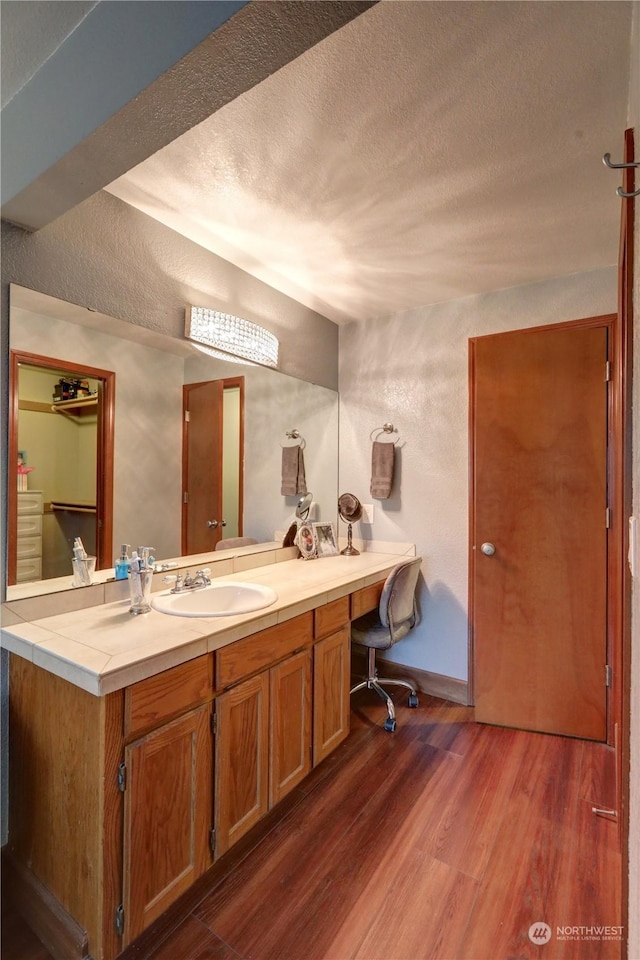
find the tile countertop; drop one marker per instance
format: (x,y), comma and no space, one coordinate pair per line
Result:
(104,648)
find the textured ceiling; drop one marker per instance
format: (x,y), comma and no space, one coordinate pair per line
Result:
(424,152)
(35,29)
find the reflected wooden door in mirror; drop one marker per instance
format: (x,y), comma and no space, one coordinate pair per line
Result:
(61,428)
(212,463)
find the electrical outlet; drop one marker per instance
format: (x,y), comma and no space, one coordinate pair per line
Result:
(367,513)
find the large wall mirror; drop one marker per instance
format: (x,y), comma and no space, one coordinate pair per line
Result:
(150,373)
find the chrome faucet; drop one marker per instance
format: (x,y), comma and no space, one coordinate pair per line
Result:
(181,584)
(201,579)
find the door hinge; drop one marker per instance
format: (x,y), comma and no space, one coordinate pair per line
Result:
(120,920)
(185,497)
(608,675)
(214,722)
(122,777)
(607,371)
(187,417)
(212,840)
(607,518)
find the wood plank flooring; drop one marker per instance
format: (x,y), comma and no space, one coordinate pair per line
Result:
(447,839)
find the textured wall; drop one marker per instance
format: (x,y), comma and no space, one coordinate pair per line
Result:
(273,405)
(412,370)
(108,256)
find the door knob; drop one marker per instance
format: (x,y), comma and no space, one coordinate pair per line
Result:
(216,523)
(488,549)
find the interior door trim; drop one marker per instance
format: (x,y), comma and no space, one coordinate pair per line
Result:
(105,457)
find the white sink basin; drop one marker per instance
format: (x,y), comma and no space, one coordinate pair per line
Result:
(218,600)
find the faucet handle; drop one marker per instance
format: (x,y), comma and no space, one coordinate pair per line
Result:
(179,582)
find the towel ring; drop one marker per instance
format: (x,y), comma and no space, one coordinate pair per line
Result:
(385,428)
(294,435)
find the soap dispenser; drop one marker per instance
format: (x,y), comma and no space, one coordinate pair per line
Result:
(123,563)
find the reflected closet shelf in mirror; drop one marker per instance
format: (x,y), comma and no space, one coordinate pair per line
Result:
(75,506)
(76,409)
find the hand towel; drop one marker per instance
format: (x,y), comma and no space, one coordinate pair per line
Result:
(382,456)
(293,478)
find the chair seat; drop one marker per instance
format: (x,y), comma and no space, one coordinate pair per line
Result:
(369,632)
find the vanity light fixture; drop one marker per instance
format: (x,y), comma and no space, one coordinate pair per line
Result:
(228,337)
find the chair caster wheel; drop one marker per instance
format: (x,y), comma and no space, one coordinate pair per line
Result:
(413,699)
(390,725)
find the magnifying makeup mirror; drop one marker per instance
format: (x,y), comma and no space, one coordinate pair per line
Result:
(304,505)
(301,514)
(350,510)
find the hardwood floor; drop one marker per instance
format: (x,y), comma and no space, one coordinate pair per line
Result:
(447,839)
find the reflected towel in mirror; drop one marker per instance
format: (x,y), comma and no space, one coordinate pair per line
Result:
(293,477)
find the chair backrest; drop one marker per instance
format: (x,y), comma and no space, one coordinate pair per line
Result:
(234,542)
(397,601)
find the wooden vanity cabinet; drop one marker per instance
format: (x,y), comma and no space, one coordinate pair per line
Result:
(167,780)
(113,798)
(167,817)
(331,678)
(263,725)
(242,760)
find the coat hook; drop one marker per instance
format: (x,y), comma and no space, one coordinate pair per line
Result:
(618,166)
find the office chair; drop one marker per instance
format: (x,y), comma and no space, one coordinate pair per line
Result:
(234,542)
(395,617)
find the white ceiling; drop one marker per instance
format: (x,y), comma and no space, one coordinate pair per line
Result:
(424,152)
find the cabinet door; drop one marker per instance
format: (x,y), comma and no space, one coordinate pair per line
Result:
(290,730)
(167,816)
(242,759)
(331,683)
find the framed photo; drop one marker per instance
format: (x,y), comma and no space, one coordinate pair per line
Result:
(325,537)
(306,541)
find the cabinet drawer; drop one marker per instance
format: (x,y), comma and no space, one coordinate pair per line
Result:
(331,617)
(29,501)
(29,525)
(365,600)
(28,570)
(27,547)
(150,702)
(244,657)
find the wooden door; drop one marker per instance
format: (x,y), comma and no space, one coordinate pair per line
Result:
(202,467)
(167,816)
(331,682)
(242,759)
(290,725)
(539,426)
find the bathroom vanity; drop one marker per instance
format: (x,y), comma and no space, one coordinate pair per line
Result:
(143,748)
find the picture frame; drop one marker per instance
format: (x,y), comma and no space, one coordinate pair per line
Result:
(306,541)
(325,538)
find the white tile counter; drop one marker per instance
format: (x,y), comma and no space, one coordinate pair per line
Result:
(103,648)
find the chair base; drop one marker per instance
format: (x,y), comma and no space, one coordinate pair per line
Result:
(373,682)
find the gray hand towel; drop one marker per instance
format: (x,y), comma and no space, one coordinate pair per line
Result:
(382,456)
(293,478)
